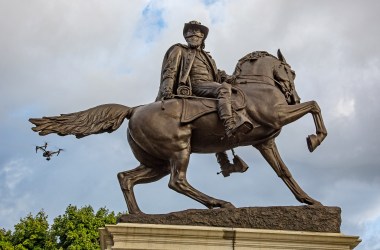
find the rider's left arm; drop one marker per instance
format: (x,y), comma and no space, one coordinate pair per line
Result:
(224,77)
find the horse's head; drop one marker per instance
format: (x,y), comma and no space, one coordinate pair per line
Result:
(262,67)
(284,76)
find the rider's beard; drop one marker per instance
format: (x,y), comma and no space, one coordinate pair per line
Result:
(194,42)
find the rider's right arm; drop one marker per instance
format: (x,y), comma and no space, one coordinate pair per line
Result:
(170,71)
(167,88)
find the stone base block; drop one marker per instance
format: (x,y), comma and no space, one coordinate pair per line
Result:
(292,218)
(150,236)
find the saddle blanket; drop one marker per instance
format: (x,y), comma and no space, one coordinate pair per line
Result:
(195,107)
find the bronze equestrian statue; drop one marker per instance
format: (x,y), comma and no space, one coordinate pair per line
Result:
(163,134)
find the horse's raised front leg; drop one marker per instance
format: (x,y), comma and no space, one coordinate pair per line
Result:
(313,141)
(270,153)
(178,182)
(129,179)
(291,113)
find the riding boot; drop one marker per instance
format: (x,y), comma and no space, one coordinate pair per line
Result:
(225,113)
(238,165)
(225,109)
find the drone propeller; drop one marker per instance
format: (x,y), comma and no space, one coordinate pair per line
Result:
(59,150)
(40,147)
(43,147)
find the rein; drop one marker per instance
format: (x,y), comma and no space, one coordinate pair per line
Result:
(263,81)
(287,93)
(195,97)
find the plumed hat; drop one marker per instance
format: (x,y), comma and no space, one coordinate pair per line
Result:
(195,25)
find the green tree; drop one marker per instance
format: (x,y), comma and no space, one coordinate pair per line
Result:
(78,228)
(32,233)
(6,240)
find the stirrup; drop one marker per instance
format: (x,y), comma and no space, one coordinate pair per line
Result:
(238,166)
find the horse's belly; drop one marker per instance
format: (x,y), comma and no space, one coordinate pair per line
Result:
(208,136)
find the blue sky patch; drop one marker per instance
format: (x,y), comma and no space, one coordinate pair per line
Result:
(209,2)
(152,23)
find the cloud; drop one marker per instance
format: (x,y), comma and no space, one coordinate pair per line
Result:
(345,107)
(15,202)
(371,237)
(61,57)
(12,173)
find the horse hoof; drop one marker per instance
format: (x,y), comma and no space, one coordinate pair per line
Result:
(316,204)
(312,142)
(137,212)
(227,205)
(311,202)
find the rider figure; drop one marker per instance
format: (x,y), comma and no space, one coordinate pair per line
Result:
(193,67)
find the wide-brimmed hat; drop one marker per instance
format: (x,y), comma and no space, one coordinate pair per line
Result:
(195,25)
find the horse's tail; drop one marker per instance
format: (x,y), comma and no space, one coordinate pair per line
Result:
(100,119)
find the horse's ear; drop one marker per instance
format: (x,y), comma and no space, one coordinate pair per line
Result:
(280,56)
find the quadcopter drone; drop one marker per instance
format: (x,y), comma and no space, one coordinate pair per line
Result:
(47,153)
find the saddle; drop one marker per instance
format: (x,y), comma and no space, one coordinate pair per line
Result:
(195,107)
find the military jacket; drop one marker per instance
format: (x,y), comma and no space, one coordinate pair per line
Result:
(176,67)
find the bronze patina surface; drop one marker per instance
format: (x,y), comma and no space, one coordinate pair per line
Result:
(248,108)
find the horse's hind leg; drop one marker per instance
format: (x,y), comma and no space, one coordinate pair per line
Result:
(178,182)
(129,179)
(271,154)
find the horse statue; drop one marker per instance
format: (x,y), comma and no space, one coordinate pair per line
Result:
(162,140)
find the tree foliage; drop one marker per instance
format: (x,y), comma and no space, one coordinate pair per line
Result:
(78,228)
(32,233)
(5,239)
(75,229)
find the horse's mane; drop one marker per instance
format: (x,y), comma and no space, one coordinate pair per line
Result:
(251,57)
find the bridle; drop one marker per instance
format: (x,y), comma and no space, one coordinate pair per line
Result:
(286,89)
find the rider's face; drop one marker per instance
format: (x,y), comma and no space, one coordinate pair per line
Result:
(194,38)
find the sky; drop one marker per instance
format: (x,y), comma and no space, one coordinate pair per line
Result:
(66,56)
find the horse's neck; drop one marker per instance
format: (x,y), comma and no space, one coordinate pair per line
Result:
(260,70)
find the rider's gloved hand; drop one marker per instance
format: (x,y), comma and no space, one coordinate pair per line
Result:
(231,79)
(167,94)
